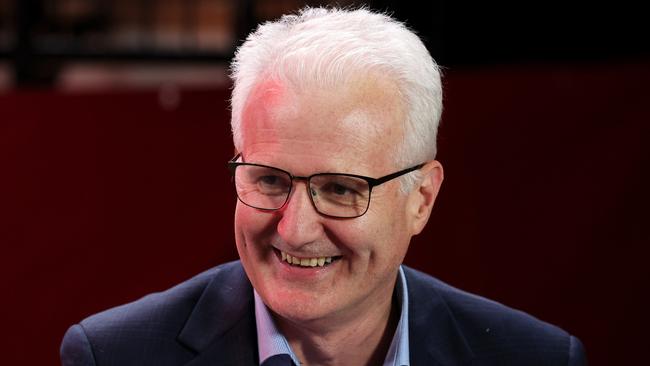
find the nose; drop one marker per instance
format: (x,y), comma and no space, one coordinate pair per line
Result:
(299,223)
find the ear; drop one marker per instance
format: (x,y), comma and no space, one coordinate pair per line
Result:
(423,196)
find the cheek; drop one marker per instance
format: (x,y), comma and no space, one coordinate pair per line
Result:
(246,225)
(369,236)
(241,222)
(252,227)
(240,234)
(390,230)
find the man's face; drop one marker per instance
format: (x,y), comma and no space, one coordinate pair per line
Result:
(354,130)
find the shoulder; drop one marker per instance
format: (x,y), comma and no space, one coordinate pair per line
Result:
(493,332)
(148,325)
(166,309)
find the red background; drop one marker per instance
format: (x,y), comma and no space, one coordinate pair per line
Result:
(105,197)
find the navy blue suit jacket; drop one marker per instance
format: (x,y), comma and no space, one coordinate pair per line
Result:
(209,320)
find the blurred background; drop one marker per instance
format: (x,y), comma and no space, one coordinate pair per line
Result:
(114,133)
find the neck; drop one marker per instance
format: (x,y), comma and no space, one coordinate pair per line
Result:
(360,340)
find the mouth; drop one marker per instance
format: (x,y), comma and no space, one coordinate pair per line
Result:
(305,262)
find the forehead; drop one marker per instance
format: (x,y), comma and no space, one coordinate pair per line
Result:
(363,119)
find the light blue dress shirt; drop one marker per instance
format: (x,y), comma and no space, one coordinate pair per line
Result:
(274,350)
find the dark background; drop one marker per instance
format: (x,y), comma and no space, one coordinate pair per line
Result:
(111,194)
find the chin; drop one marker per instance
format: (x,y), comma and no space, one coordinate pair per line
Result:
(297,306)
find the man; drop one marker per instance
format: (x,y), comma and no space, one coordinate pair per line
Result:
(334,118)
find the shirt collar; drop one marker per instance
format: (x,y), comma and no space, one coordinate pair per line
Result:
(270,342)
(398,353)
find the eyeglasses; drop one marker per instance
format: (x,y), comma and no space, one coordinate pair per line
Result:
(336,195)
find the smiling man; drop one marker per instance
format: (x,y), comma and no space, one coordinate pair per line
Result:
(334,119)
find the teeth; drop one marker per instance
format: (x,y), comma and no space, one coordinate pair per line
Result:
(305,262)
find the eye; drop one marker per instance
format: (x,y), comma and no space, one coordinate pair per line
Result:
(269,180)
(338,189)
(273,184)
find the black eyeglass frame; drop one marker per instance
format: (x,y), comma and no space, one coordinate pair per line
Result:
(372,182)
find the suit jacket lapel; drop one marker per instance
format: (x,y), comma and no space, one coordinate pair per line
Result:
(221,328)
(434,338)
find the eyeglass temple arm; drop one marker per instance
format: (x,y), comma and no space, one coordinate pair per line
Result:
(386,178)
(232,164)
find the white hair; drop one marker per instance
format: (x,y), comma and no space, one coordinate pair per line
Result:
(325,47)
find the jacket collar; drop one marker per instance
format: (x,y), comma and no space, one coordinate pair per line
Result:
(435,337)
(221,328)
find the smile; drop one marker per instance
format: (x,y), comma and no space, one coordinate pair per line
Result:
(307,262)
